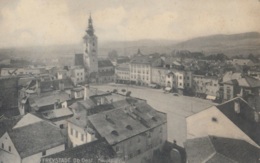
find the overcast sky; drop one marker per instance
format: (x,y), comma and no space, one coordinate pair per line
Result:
(46,22)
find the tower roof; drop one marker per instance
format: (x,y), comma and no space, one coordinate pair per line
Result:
(90,29)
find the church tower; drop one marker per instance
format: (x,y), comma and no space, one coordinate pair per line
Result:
(90,49)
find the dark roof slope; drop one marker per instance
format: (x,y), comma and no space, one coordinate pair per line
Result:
(35,138)
(94,151)
(249,81)
(8,123)
(112,125)
(105,63)
(79,60)
(213,149)
(144,59)
(245,120)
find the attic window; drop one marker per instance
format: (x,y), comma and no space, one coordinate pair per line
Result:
(214,119)
(115,133)
(129,127)
(154,119)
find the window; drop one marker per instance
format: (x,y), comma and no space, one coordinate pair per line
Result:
(130,155)
(9,148)
(61,126)
(117,148)
(138,151)
(77,134)
(180,77)
(71,131)
(3,146)
(82,137)
(44,153)
(180,84)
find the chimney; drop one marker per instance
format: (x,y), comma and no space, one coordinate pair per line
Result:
(61,85)
(56,104)
(38,87)
(256,116)
(86,92)
(102,100)
(237,106)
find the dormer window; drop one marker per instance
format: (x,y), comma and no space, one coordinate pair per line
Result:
(115,133)
(129,127)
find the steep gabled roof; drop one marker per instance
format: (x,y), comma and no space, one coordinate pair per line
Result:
(249,81)
(245,120)
(8,123)
(212,149)
(94,151)
(105,63)
(79,60)
(35,138)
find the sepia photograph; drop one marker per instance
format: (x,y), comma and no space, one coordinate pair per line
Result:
(129,81)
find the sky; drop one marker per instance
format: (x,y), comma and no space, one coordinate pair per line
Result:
(48,22)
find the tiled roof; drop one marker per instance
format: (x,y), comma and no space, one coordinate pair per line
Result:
(46,86)
(106,73)
(212,149)
(8,123)
(123,67)
(35,138)
(68,84)
(231,82)
(112,125)
(230,76)
(144,59)
(245,120)
(57,113)
(249,81)
(105,63)
(24,81)
(94,152)
(48,99)
(79,60)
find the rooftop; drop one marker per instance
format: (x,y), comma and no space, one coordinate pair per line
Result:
(105,63)
(8,123)
(214,149)
(35,138)
(143,59)
(94,151)
(122,123)
(245,119)
(48,99)
(57,113)
(79,59)
(249,81)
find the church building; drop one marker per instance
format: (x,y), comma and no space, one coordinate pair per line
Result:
(97,70)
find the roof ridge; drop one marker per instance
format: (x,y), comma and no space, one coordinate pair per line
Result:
(207,159)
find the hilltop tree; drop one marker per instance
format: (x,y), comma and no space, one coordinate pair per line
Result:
(112,55)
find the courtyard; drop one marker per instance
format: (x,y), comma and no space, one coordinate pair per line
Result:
(176,107)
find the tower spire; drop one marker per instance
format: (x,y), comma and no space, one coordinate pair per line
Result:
(90,29)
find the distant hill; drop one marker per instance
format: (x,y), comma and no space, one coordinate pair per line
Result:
(235,44)
(147,46)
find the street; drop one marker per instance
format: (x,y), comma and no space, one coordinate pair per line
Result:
(176,107)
